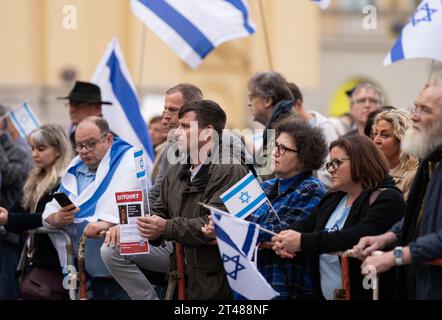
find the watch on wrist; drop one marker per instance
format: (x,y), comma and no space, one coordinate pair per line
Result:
(398,254)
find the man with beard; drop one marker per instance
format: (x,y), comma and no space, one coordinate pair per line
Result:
(418,237)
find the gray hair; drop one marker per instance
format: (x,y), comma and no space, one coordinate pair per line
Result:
(270,85)
(367,86)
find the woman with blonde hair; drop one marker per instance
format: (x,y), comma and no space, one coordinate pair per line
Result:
(388,131)
(51,152)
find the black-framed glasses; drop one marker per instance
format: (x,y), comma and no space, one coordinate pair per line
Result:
(89,146)
(335,163)
(281,149)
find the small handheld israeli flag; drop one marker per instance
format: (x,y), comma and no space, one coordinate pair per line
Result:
(421,37)
(141,176)
(24,119)
(245,281)
(244,197)
(323,4)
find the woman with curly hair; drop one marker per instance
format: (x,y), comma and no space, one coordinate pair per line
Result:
(388,131)
(294,193)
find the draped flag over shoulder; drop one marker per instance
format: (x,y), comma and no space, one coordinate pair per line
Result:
(193,28)
(323,4)
(243,198)
(24,119)
(232,235)
(124,116)
(421,37)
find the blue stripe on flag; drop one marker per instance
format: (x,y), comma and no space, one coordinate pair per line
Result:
(29,112)
(17,124)
(181,25)
(128,100)
(241,7)
(250,206)
(228,196)
(222,235)
(397,52)
(141,174)
(138,153)
(249,238)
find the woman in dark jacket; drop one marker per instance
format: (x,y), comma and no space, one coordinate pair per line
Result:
(364,201)
(51,152)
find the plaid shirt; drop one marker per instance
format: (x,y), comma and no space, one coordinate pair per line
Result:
(287,276)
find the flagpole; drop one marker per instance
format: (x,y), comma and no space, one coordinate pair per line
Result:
(431,71)
(273,209)
(141,63)
(225,213)
(266,36)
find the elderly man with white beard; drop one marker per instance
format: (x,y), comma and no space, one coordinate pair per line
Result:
(418,237)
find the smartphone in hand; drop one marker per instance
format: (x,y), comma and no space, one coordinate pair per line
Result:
(62,199)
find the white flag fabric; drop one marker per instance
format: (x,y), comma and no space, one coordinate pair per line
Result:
(243,198)
(421,37)
(124,115)
(24,119)
(246,241)
(193,28)
(245,281)
(323,4)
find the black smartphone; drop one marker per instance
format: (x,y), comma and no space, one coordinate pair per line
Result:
(62,199)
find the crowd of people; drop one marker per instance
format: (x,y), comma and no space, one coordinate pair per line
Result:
(367,181)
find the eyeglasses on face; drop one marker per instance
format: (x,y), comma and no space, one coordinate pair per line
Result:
(370,101)
(418,110)
(281,149)
(89,146)
(335,163)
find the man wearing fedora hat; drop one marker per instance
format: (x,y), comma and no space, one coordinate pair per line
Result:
(84,101)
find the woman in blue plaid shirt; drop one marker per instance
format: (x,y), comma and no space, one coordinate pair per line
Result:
(299,149)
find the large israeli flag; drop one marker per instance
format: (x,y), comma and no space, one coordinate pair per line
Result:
(421,37)
(243,198)
(246,282)
(323,4)
(193,28)
(24,119)
(124,116)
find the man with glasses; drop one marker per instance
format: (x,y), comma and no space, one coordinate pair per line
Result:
(418,236)
(84,101)
(104,165)
(365,99)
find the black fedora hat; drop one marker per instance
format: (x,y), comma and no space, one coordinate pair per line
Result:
(85,92)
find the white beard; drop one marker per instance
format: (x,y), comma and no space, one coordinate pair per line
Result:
(421,143)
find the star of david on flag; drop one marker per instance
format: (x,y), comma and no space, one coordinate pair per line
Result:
(243,198)
(235,237)
(421,37)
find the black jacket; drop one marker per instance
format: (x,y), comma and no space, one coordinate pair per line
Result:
(20,220)
(363,220)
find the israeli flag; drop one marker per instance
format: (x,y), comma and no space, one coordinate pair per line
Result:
(24,119)
(323,4)
(243,198)
(124,116)
(245,281)
(193,28)
(421,37)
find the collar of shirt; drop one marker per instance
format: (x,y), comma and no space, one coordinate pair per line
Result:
(84,177)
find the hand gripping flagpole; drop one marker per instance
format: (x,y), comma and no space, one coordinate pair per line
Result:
(227,214)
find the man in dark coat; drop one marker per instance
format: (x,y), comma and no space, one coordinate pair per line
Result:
(418,237)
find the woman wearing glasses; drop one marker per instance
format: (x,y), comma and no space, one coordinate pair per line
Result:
(51,152)
(364,201)
(299,149)
(388,130)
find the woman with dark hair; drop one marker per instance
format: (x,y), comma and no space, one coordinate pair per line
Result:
(294,194)
(364,201)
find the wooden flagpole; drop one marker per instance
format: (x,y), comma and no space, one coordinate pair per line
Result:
(266,36)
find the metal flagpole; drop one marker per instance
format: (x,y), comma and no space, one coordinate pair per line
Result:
(431,71)
(266,36)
